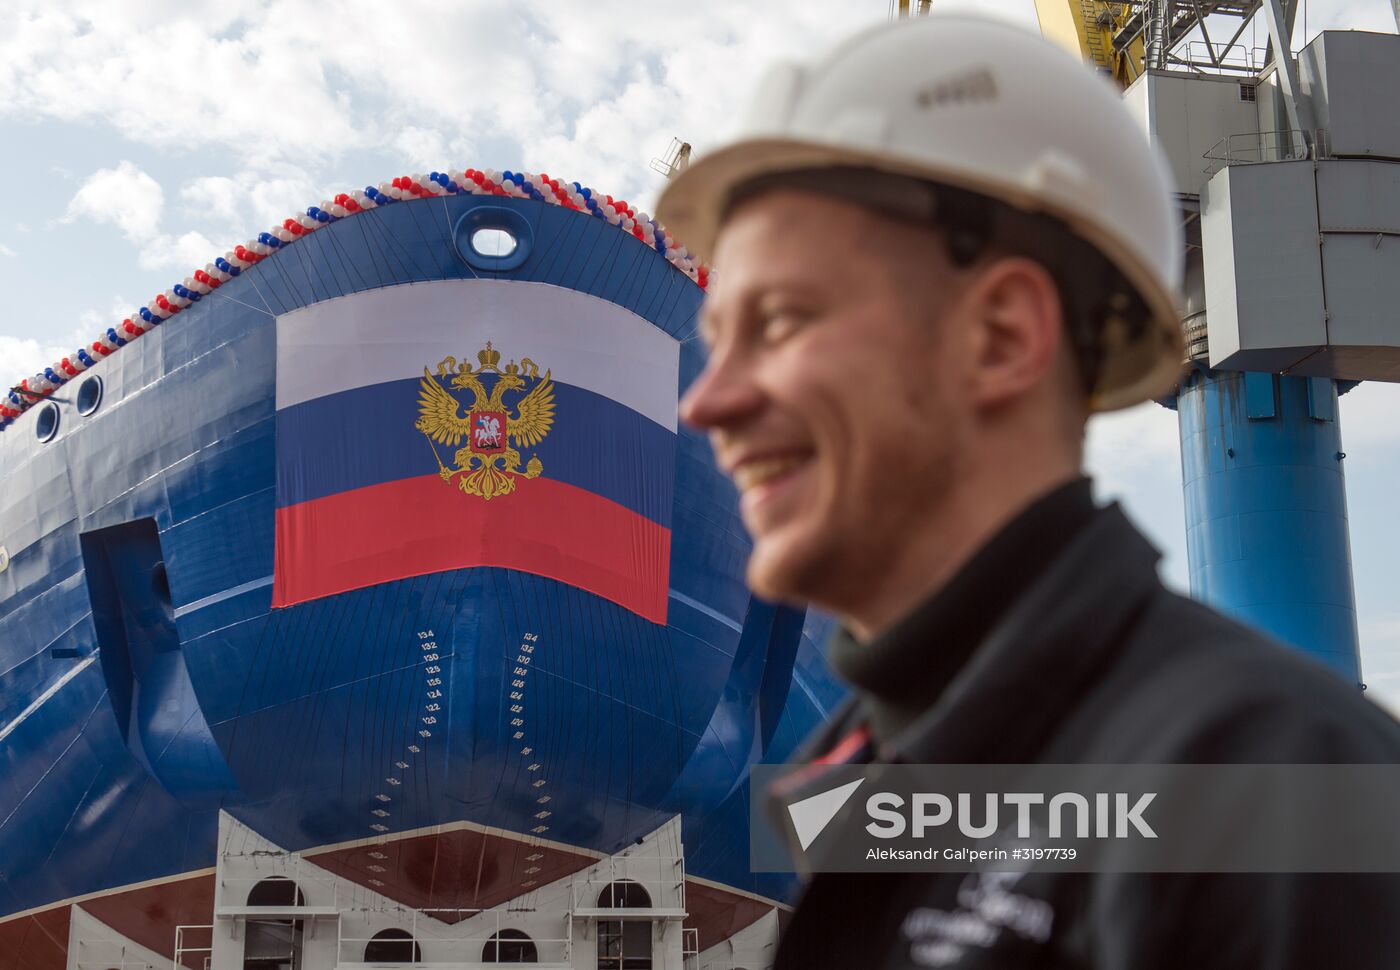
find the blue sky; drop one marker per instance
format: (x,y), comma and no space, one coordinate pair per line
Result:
(141,139)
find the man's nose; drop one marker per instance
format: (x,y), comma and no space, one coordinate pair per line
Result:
(724,394)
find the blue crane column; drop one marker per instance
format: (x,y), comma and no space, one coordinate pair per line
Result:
(1266,511)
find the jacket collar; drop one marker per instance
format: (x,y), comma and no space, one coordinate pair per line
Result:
(1028,672)
(903,672)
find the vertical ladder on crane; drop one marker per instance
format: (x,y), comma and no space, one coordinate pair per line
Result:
(1093,35)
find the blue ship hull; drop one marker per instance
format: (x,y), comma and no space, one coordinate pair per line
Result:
(146,684)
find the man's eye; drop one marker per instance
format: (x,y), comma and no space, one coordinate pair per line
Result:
(780,325)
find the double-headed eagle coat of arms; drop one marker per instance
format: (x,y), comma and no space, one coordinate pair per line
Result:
(489,464)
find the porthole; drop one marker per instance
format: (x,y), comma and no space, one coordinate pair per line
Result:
(493,238)
(46,421)
(89,395)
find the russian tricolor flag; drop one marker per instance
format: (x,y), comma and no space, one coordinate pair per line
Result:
(364,496)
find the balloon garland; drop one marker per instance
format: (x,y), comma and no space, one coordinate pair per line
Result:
(202,282)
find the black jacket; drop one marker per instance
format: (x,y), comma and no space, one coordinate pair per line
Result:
(1097,662)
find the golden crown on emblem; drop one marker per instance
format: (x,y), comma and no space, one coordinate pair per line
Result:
(488,358)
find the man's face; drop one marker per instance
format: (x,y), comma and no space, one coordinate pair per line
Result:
(831,389)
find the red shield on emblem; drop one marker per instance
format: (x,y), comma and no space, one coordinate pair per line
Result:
(488,432)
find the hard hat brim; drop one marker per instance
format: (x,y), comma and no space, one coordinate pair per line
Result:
(694,203)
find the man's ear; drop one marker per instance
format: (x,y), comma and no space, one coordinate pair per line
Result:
(1017,329)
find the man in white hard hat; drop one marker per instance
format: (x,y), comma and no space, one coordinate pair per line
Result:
(938,250)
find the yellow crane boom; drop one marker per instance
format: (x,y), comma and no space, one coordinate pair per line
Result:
(1088,28)
(1084,27)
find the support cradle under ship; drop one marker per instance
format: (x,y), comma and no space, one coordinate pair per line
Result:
(377,611)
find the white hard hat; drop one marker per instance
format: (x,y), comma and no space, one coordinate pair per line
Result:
(980,105)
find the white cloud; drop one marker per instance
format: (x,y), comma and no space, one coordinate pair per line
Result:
(180,253)
(426,149)
(270,83)
(251,200)
(20,357)
(125,197)
(94,320)
(171,75)
(7,251)
(214,196)
(133,202)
